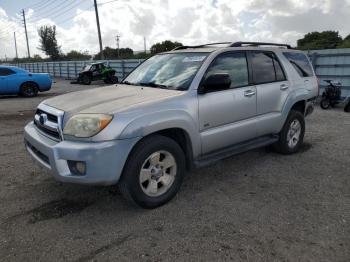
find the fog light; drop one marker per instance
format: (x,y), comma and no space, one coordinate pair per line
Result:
(77,167)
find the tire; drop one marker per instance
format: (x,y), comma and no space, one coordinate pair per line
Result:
(114,79)
(86,80)
(347,107)
(153,188)
(288,142)
(325,103)
(29,89)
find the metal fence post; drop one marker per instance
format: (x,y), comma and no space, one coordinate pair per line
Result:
(123,68)
(75,68)
(68,70)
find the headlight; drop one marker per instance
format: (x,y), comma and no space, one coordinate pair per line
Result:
(86,125)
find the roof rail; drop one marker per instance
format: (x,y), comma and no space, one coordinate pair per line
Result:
(233,44)
(199,46)
(240,44)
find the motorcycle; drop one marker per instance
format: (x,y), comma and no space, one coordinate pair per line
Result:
(332,96)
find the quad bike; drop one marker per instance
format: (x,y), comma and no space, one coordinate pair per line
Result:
(97,71)
(332,96)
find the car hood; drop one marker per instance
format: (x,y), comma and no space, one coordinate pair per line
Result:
(110,99)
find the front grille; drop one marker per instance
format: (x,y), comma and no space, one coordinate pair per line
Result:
(47,121)
(51,133)
(50,117)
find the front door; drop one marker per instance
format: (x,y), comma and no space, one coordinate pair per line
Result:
(227,117)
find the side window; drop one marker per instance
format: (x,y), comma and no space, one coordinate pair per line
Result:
(278,70)
(300,62)
(263,67)
(6,72)
(234,64)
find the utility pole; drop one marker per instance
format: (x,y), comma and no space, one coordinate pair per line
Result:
(117,39)
(25,29)
(144,43)
(98,30)
(14,36)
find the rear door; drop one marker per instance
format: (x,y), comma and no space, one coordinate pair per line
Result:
(227,117)
(302,65)
(272,89)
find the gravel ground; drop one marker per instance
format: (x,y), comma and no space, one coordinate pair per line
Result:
(257,206)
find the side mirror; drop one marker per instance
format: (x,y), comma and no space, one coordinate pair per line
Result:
(215,82)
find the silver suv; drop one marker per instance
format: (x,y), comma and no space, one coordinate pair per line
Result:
(177,110)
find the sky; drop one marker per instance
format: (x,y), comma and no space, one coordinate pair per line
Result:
(190,22)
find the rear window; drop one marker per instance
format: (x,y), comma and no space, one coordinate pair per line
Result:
(266,67)
(300,62)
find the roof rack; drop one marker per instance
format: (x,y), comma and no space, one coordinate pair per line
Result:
(234,44)
(240,44)
(199,46)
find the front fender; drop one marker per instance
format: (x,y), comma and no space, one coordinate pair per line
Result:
(156,121)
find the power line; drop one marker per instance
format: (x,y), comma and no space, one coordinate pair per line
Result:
(108,2)
(37,5)
(64,11)
(46,13)
(43,6)
(75,15)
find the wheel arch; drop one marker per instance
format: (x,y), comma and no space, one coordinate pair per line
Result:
(180,136)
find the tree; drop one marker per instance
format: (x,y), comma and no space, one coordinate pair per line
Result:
(164,46)
(345,43)
(76,55)
(320,40)
(48,42)
(112,53)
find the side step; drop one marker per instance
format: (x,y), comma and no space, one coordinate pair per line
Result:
(215,156)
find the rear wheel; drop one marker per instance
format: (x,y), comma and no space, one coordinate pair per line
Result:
(29,89)
(154,172)
(292,134)
(347,107)
(114,79)
(325,103)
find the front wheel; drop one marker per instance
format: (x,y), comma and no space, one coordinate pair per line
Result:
(325,103)
(292,134)
(86,79)
(154,172)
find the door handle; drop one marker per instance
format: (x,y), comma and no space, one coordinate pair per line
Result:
(249,93)
(284,87)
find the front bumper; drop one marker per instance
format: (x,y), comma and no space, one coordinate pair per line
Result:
(104,160)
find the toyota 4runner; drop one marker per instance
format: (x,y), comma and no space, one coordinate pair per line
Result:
(177,110)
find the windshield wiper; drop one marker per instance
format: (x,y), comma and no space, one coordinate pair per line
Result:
(127,83)
(152,84)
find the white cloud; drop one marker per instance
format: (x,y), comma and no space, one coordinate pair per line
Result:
(189,22)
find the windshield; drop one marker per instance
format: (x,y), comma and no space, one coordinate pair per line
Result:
(171,71)
(86,68)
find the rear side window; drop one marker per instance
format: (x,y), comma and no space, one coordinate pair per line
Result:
(233,64)
(6,72)
(300,62)
(266,68)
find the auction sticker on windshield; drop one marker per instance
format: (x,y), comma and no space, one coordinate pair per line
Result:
(193,59)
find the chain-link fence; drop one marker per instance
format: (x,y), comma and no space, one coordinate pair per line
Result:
(70,69)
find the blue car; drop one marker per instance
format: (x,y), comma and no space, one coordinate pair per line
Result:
(14,80)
